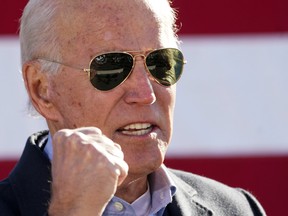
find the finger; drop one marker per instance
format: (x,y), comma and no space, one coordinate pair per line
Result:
(112,147)
(121,169)
(94,136)
(89,130)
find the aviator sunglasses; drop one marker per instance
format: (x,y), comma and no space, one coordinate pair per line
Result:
(109,70)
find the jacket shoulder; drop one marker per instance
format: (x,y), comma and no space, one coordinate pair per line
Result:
(28,182)
(219,196)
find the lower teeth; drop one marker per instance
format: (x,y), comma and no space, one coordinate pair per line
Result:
(136,133)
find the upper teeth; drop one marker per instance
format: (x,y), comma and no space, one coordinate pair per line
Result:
(137,126)
(137,129)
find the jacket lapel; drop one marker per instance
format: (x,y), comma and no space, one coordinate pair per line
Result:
(185,202)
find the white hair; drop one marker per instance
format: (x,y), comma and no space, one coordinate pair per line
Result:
(38,34)
(169,14)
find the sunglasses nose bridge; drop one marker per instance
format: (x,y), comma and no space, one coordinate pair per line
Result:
(143,57)
(139,55)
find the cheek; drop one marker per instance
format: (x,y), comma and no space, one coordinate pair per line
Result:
(64,94)
(66,97)
(166,103)
(167,98)
(70,85)
(81,105)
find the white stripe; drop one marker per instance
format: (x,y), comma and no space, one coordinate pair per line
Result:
(15,125)
(232,98)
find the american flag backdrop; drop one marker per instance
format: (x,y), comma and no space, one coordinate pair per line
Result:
(231,117)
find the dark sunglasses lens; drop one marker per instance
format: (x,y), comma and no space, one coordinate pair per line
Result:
(109,70)
(165,65)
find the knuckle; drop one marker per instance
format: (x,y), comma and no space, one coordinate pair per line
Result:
(117,146)
(75,136)
(62,135)
(97,130)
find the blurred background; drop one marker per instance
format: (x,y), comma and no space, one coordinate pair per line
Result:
(231,118)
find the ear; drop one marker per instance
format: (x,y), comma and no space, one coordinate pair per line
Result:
(37,86)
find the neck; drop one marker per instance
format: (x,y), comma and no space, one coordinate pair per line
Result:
(132,190)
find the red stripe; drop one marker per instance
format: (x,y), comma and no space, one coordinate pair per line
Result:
(265,177)
(226,16)
(10,12)
(196,16)
(5,167)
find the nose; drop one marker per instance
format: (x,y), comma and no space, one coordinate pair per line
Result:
(139,88)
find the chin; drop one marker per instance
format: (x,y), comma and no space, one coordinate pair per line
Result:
(146,163)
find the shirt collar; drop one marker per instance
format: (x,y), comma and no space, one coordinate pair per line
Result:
(48,150)
(162,188)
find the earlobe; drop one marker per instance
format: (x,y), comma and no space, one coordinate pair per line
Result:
(37,86)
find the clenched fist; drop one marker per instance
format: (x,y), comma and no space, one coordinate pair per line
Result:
(87,167)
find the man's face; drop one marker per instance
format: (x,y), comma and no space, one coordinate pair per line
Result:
(137,114)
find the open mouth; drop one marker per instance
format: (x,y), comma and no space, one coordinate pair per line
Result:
(136,129)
